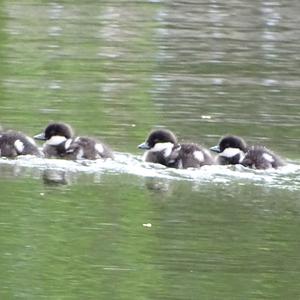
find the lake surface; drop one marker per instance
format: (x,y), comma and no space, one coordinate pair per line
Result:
(125,229)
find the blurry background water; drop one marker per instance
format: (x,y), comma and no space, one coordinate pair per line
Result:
(115,70)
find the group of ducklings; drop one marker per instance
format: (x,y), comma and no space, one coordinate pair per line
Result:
(162,147)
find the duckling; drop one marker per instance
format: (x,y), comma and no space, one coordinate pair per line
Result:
(13,143)
(61,143)
(234,150)
(164,149)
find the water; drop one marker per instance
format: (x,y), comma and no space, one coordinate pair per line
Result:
(125,229)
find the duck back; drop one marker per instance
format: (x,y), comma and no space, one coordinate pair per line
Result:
(259,157)
(14,143)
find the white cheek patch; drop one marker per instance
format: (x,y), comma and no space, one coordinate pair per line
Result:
(230,152)
(199,156)
(56,140)
(166,148)
(268,157)
(19,146)
(99,148)
(68,144)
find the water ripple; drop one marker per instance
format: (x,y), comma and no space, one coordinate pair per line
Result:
(287,177)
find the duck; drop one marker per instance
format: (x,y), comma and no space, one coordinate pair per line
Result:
(234,150)
(15,143)
(163,148)
(60,142)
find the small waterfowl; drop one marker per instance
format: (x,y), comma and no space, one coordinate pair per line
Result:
(234,150)
(61,143)
(13,143)
(164,149)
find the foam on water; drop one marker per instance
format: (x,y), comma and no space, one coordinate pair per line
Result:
(286,177)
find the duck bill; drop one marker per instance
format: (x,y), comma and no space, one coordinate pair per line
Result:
(40,136)
(215,149)
(144,146)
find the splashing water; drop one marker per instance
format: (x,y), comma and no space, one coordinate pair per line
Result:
(287,177)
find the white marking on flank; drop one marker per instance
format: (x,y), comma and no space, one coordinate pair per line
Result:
(166,148)
(199,155)
(30,140)
(56,140)
(99,148)
(79,154)
(180,166)
(19,146)
(207,153)
(268,157)
(242,156)
(68,144)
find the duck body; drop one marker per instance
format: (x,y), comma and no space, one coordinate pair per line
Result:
(60,143)
(13,143)
(162,148)
(234,150)
(259,157)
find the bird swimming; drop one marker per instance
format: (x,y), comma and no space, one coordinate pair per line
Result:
(234,150)
(163,148)
(60,142)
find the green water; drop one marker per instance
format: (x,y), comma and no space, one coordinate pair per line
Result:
(88,241)
(115,70)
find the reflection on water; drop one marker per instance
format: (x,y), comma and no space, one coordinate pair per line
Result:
(53,177)
(114,70)
(204,237)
